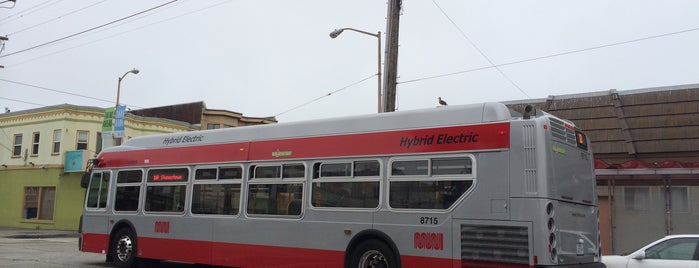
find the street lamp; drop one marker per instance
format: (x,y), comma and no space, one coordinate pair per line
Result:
(134,71)
(337,32)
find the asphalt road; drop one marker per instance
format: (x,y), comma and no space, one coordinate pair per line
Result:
(19,248)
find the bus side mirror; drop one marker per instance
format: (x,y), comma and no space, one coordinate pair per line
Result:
(85,180)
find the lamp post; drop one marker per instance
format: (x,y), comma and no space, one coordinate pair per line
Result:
(133,71)
(337,32)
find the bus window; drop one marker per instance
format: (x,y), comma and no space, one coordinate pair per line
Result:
(214,197)
(205,174)
(219,199)
(166,190)
(408,168)
(225,173)
(451,166)
(426,194)
(128,190)
(438,187)
(168,198)
(364,194)
(336,170)
(275,199)
(99,190)
(294,171)
(367,168)
(338,187)
(266,172)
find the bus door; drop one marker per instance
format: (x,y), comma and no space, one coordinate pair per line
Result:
(95,223)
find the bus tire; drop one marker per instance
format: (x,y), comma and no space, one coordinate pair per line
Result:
(373,253)
(123,248)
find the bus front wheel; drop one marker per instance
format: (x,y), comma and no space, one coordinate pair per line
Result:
(124,248)
(373,253)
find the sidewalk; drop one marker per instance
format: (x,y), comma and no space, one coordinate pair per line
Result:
(17,233)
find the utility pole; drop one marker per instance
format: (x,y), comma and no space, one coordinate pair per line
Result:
(2,46)
(391,56)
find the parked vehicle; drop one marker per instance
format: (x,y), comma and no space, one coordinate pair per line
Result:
(678,251)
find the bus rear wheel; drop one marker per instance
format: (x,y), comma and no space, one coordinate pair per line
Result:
(124,248)
(373,253)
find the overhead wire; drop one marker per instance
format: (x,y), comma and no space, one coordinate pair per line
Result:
(326,95)
(119,33)
(479,50)
(57,91)
(88,30)
(30,10)
(56,18)
(549,56)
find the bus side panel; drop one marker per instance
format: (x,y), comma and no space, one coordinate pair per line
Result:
(96,243)
(94,236)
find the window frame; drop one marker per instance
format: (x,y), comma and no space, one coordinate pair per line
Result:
(141,196)
(108,192)
(56,142)
(17,147)
(643,207)
(36,140)
(78,142)
(217,180)
(281,180)
(318,177)
(39,203)
(430,177)
(149,183)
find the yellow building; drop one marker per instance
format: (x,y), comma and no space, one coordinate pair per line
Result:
(44,152)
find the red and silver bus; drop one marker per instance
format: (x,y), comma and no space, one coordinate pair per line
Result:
(455,186)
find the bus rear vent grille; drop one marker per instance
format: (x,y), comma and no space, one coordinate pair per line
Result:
(561,132)
(491,243)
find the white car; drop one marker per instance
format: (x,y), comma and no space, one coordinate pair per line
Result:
(677,251)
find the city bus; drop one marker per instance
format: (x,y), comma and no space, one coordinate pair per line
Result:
(454,186)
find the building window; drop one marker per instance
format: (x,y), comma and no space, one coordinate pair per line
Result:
(636,198)
(82,140)
(38,203)
(679,198)
(35,143)
(117,141)
(56,141)
(213,126)
(17,146)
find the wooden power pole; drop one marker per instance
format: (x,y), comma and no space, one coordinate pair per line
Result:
(391,56)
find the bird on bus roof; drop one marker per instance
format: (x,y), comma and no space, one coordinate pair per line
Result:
(442,102)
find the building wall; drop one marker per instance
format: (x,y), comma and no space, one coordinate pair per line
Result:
(19,175)
(67,205)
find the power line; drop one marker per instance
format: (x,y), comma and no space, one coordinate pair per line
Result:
(58,91)
(551,55)
(117,34)
(326,95)
(25,102)
(30,10)
(479,50)
(57,18)
(88,30)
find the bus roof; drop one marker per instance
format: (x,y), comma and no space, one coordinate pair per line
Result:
(421,118)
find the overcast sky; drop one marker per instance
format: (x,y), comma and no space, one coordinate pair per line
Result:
(265,58)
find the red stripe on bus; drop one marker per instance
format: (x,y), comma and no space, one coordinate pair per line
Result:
(97,243)
(232,254)
(444,139)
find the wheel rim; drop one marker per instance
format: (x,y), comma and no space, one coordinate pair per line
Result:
(124,248)
(373,259)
